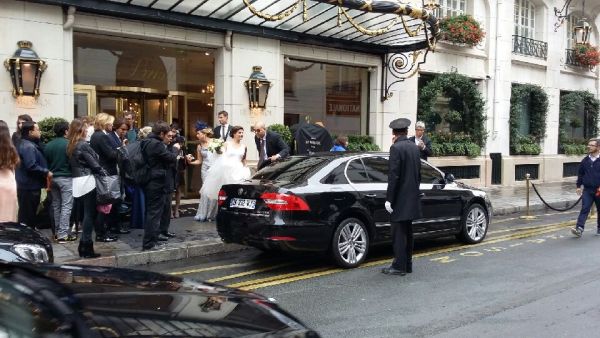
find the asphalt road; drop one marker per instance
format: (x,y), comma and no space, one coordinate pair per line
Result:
(527,279)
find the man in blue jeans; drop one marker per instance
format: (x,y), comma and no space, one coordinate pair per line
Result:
(588,176)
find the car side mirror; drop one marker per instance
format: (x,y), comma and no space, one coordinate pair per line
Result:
(449,178)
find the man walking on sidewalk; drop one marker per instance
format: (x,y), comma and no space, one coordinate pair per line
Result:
(589,177)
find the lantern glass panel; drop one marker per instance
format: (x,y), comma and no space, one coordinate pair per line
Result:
(263,91)
(28,74)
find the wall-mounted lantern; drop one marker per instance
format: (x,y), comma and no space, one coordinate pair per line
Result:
(258,88)
(25,68)
(582,32)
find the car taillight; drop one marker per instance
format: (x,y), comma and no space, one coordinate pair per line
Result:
(222,197)
(284,202)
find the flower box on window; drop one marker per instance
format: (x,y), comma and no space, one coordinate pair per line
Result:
(461,29)
(586,55)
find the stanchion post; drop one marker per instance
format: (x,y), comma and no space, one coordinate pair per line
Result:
(527,210)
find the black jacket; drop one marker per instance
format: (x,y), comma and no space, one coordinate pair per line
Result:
(274,144)
(84,161)
(161,162)
(425,152)
(403,180)
(588,174)
(217,132)
(104,146)
(33,169)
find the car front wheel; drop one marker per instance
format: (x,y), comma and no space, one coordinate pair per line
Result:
(474,224)
(350,243)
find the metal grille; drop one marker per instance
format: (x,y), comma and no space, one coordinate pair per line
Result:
(571,59)
(530,47)
(570,169)
(463,171)
(522,169)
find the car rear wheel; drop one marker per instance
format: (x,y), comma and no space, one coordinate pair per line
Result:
(350,243)
(474,224)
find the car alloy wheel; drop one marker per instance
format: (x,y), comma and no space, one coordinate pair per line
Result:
(350,243)
(475,224)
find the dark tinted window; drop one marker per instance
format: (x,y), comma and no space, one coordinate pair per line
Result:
(291,169)
(377,168)
(336,176)
(356,172)
(429,175)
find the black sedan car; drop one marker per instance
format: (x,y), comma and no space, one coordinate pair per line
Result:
(72,301)
(20,243)
(335,202)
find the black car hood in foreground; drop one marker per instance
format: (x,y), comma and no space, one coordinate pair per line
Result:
(12,233)
(121,302)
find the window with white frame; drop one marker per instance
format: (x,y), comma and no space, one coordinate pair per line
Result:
(572,21)
(451,8)
(524,18)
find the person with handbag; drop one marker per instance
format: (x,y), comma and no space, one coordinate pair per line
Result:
(84,166)
(106,148)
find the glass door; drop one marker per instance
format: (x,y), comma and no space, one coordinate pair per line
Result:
(84,98)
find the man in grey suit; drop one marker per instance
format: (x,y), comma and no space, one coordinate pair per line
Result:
(421,140)
(403,200)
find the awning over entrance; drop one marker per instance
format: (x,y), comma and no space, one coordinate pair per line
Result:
(372,26)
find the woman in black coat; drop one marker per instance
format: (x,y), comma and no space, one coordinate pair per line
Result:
(84,164)
(106,148)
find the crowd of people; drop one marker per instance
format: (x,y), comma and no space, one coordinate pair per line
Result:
(87,151)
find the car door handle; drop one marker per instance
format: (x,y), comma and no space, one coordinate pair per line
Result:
(422,194)
(371,195)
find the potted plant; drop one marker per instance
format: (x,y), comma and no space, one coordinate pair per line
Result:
(586,55)
(461,29)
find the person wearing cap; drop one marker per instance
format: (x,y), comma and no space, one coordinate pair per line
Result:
(403,200)
(423,142)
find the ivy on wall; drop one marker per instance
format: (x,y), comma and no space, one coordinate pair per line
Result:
(466,115)
(535,99)
(570,105)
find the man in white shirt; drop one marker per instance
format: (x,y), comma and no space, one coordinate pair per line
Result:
(223,129)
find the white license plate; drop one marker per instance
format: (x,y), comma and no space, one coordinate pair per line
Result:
(242,203)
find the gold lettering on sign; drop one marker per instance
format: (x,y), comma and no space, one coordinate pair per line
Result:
(145,69)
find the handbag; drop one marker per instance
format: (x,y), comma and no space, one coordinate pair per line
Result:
(108,189)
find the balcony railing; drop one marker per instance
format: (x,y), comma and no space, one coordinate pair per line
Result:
(530,47)
(571,61)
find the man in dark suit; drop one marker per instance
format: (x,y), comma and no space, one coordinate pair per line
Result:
(423,142)
(160,186)
(269,144)
(403,199)
(223,129)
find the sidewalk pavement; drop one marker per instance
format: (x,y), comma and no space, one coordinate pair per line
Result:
(196,239)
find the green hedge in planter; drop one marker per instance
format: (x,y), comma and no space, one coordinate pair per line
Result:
(283,131)
(47,127)
(362,143)
(537,100)
(467,111)
(569,105)
(453,144)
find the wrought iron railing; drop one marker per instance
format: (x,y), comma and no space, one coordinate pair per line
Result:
(530,47)
(571,60)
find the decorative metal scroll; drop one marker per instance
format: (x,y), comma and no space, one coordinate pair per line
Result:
(375,6)
(399,67)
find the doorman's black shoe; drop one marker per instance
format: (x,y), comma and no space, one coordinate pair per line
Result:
(392,271)
(168,234)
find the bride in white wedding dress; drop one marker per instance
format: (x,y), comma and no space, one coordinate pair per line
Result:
(227,168)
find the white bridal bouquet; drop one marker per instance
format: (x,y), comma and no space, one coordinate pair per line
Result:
(215,146)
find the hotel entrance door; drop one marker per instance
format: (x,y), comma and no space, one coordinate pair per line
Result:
(149,106)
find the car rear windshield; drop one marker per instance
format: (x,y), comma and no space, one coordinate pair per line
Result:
(291,169)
